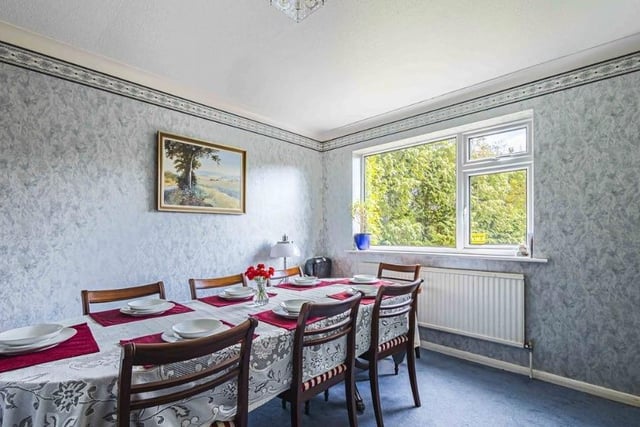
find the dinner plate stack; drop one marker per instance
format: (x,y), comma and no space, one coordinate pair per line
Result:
(363,278)
(237,293)
(190,329)
(146,307)
(34,338)
(305,281)
(290,309)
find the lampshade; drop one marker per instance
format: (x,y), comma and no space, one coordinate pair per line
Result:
(284,248)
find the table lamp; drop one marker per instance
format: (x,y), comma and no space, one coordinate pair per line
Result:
(284,248)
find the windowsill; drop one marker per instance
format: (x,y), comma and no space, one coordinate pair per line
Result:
(453,255)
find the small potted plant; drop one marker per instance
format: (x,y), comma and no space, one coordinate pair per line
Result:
(359,212)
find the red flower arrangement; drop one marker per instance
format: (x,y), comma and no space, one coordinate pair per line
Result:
(259,271)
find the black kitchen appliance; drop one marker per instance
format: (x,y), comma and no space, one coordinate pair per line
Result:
(318,266)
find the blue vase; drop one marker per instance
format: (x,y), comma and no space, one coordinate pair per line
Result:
(362,240)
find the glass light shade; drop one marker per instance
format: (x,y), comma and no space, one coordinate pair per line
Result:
(284,249)
(297,9)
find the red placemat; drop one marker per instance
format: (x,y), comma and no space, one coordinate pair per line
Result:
(81,343)
(344,295)
(157,338)
(216,301)
(270,317)
(114,317)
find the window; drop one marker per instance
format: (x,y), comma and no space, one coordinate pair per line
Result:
(462,189)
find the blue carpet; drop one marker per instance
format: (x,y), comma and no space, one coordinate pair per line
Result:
(459,393)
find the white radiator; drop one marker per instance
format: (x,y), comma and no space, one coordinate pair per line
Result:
(478,304)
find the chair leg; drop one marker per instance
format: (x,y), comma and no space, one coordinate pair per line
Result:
(284,404)
(296,414)
(350,395)
(375,392)
(411,364)
(306,407)
(397,360)
(326,395)
(417,352)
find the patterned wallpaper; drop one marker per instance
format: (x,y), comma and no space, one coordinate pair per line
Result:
(583,306)
(77,210)
(77,204)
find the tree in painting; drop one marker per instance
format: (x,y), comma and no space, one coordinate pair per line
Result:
(186,160)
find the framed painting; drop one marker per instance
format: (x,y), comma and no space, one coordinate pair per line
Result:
(199,176)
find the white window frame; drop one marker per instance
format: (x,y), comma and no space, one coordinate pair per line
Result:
(465,169)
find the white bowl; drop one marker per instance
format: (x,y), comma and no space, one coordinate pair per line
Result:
(196,328)
(30,334)
(305,279)
(146,304)
(293,305)
(238,291)
(364,278)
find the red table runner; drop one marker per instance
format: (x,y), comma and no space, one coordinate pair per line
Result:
(270,317)
(81,343)
(216,301)
(114,317)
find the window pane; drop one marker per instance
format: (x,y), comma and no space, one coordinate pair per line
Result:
(498,144)
(498,208)
(411,195)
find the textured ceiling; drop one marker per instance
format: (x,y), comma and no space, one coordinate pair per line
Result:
(350,65)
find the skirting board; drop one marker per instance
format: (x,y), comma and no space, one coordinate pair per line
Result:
(607,393)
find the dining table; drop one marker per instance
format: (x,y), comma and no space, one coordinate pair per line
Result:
(81,390)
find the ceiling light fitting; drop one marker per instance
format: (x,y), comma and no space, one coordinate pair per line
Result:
(297,9)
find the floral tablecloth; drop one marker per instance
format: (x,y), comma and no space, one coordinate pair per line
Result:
(82,391)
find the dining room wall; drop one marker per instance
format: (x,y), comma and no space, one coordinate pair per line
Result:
(582,306)
(78,199)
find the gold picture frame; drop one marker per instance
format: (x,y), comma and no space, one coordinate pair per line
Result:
(200,176)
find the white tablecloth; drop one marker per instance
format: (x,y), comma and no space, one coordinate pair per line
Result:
(82,391)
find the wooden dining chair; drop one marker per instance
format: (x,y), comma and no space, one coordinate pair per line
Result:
(399,272)
(402,273)
(216,282)
(342,327)
(109,295)
(131,397)
(281,276)
(402,308)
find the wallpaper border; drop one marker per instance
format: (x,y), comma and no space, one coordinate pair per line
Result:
(578,77)
(38,62)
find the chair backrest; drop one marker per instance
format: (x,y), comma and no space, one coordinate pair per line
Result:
(216,282)
(401,307)
(289,272)
(110,295)
(184,386)
(399,272)
(310,335)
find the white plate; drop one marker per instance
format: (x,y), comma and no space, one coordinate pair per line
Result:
(227,294)
(62,336)
(158,310)
(363,281)
(293,306)
(280,311)
(170,336)
(239,290)
(146,304)
(196,328)
(304,283)
(29,334)
(369,291)
(364,277)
